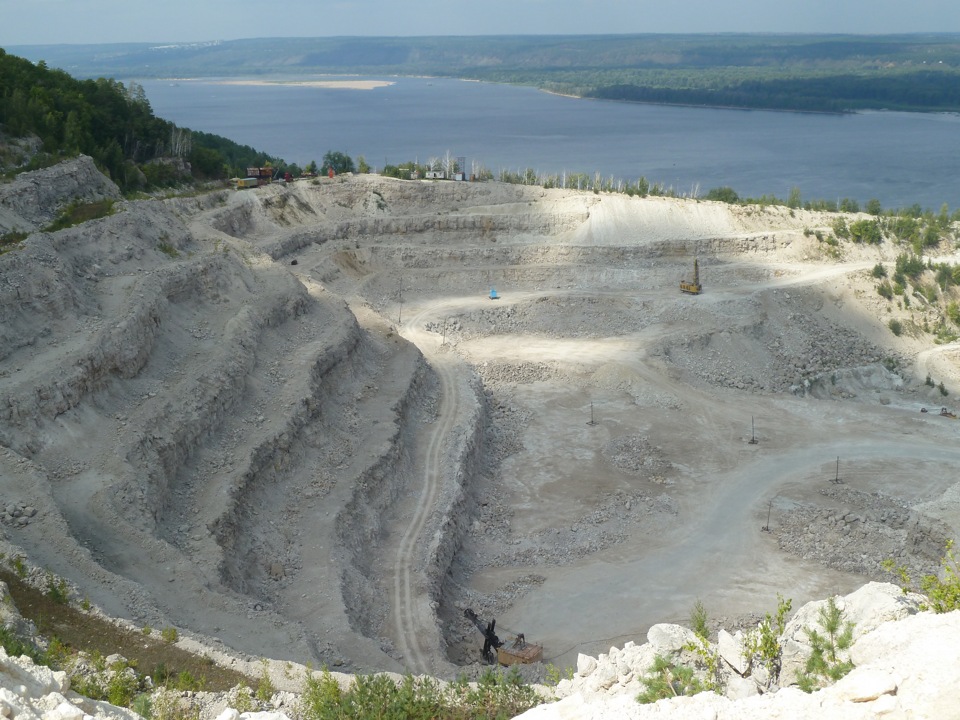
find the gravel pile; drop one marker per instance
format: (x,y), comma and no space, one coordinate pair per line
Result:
(859,531)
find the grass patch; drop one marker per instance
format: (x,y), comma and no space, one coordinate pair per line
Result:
(10,239)
(76,630)
(168,249)
(78,212)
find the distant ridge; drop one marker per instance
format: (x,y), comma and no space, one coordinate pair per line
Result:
(919,72)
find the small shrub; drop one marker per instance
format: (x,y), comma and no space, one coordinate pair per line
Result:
(186,681)
(840,228)
(555,674)
(698,619)
(764,642)
(321,697)
(168,249)
(495,695)
(265,686)
(664,679)
(16,646)
(896,327)
(885,290)
(825,664)
(240,699)
(169,635)
(19,567)
(122,688)
(943,390)
(168,705)
(57,589)
(142,706)
(942,590)
(98,661)
(57,653)
(89,686)
(879,271)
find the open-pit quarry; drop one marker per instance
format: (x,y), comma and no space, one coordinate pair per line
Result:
(293,420)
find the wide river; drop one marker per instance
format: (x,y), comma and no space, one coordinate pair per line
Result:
(898,158)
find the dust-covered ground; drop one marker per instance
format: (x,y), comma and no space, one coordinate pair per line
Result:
(292,419)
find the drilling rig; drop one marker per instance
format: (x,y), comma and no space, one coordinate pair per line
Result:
(692,287)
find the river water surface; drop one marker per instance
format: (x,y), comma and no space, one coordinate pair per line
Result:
(898,158)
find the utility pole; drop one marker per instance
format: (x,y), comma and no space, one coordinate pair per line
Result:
(766,528)
(592,421)
(753,435)
(400,293)
(837,478)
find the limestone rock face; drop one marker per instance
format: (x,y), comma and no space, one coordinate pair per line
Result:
(669,639)
(32,200)
(732,651)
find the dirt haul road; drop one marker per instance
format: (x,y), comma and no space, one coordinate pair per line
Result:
(329,461)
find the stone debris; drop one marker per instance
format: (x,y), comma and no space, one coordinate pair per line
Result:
(17,514)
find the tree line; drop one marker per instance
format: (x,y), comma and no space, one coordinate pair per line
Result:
(115,125)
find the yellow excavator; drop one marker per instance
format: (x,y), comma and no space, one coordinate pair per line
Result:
(694,287)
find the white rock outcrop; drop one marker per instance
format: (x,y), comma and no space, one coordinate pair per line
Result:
(907,665)
(33,692)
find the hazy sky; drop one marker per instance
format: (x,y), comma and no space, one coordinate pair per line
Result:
(27,22)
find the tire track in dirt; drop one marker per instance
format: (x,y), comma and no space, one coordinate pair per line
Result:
(413,616)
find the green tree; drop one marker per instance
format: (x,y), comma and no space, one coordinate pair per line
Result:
(362,165)
(840,228)
(338,162)
(723,194)
(866,231)
(794,201)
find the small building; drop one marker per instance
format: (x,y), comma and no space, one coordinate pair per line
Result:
(436,175)
(263,174)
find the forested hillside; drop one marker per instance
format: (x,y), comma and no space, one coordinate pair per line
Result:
(111,122)
(826,73)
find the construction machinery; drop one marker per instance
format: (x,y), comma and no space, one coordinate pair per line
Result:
(518,652)
(943,413)
(692,287)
